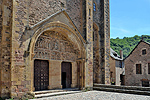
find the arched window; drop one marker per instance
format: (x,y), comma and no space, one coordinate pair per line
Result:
(94,7)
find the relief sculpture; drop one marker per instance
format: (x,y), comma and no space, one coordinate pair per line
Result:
(54,46)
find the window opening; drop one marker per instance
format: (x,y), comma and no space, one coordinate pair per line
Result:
(138,69)
(94,6)
(144,52)
(89,12)
(148,68)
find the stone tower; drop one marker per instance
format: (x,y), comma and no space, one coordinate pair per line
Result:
(58,43)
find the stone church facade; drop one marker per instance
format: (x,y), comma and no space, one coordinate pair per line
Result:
(53,44)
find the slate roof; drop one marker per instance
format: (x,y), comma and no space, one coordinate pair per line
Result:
(114,55)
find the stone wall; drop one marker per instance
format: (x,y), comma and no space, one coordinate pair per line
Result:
(102,43)
(5,38)
(107,41)
(28,13)
(97,13)
(41,9)
(89,38)
(136,57)
(96,55)
(1,21)
(19,73)
(83,31)
(96,42)
(104,32)
(112,70)
(74,9)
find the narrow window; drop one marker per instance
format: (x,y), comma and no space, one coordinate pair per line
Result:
(144,52)
(138,69)
(94,6)
(89,12)
(148,68)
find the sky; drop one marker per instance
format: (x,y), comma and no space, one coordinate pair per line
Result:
(129,18)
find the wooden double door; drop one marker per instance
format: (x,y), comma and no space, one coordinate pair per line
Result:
(66,74)
(41,75)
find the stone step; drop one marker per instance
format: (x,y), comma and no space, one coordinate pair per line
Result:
(49,93)
(55,94)
(123,87)
(122,90)
(55,90)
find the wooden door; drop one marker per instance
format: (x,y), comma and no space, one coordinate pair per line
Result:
(41,75)
(122,79)
(66,75)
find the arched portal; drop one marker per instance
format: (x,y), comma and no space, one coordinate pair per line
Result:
(56,44)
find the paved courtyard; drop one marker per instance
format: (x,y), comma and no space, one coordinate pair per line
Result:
(98,95)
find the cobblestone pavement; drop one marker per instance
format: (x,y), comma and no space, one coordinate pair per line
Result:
(98,95)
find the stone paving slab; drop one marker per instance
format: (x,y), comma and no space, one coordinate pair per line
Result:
(98,95)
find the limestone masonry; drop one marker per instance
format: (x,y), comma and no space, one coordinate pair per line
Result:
(53,44)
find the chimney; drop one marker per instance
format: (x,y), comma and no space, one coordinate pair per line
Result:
(142,38)
(121,54)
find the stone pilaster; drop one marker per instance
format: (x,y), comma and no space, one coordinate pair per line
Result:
(89,38)
(105,42)
(20,71)
(5,47)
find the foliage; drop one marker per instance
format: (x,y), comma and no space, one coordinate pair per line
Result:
(127,44)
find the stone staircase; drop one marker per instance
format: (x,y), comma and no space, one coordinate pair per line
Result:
(123,89)
(56,92)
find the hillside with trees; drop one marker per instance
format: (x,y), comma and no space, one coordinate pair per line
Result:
(127,44)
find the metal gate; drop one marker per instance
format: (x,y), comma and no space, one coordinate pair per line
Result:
(41,75)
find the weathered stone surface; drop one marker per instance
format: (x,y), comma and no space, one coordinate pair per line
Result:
(5,38)
(21,26)
(39,10)
(74,9)
(136,57)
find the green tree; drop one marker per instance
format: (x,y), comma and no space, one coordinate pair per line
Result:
(127,44)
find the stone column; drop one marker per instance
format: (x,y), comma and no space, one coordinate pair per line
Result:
(74,75)
(81,73)
(78,73)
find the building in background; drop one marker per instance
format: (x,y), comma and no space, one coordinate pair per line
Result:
(53,44)
(137,65)
(117,69)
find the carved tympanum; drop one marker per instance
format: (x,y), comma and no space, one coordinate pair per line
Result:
(55,46)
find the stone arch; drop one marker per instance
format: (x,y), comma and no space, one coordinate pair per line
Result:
(72,36)
(58,26)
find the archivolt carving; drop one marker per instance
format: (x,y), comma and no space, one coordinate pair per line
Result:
(55,46)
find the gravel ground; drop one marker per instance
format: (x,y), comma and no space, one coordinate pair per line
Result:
(98,95)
